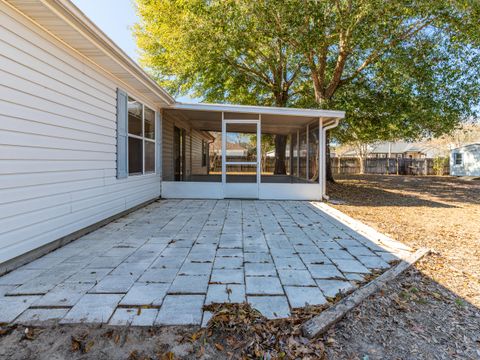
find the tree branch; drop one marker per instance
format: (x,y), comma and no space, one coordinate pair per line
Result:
(375,55)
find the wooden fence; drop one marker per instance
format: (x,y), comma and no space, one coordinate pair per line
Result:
(267,167)
(351,166)
(399,166)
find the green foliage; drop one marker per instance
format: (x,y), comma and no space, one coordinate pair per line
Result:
(439,165)
(400,69)
(220,51)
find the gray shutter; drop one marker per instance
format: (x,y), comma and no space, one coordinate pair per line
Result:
(122,134)
(158,136)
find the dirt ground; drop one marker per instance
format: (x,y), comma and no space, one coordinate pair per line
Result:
(430,312)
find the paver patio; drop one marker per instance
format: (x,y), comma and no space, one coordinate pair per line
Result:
(161,264)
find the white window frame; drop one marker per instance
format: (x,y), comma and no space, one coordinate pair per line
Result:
(455,161)
(144,139)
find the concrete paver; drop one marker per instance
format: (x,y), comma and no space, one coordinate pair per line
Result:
(93,308)
(173,256)
(189,285)
(263,285)
(145,294)
(300,296)
(181,310)
(272,307)
(134,316)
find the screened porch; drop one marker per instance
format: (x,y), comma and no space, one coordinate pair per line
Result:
(230,151)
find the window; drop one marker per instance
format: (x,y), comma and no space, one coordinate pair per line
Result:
(458,158)
(204,153)
(141,138)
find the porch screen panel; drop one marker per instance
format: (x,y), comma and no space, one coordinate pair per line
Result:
(303,154)
(294,154)
(288,160)
(313,160)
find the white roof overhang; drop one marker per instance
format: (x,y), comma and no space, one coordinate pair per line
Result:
(277,120)
(63,20)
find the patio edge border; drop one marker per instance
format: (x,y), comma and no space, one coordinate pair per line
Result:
(387,243)
(322,322)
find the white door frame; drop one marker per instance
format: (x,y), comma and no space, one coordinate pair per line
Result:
(240,190)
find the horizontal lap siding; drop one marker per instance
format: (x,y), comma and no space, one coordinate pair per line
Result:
(167,149)
(57,142)
(197,168)
(193,148)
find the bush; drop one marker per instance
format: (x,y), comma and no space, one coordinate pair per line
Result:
(439,165)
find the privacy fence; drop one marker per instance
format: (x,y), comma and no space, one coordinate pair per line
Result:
(398,166)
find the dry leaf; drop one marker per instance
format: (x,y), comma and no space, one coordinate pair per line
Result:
(76,344)
(88,346)
(168,356)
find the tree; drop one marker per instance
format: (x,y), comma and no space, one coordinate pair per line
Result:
(401,69)
(220,51)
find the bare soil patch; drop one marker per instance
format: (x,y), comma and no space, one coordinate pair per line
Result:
(432,312)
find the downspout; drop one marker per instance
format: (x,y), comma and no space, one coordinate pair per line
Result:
(324,163)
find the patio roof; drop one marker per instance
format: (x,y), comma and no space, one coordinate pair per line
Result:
(278,120)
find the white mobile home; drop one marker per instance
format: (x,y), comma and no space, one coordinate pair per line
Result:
(86,134)
(465,160)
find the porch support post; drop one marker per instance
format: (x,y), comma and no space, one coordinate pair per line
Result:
(259,150)
(307,155)
(224,151)
(321,160)
(291,154)
(298,153)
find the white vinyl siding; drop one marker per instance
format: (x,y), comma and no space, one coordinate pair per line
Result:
(465,161)
(57,141)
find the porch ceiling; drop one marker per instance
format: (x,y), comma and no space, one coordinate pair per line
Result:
(208,117)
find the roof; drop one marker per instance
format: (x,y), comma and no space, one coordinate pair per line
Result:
(400,147)
(68,24)
(63,20)
(247,109)
(468,145)
(234,146)
(275,120)
(395,147)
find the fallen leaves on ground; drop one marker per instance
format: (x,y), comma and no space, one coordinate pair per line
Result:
(430,312)
(246,334)
(81,343)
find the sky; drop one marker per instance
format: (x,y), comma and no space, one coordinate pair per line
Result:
(115,18)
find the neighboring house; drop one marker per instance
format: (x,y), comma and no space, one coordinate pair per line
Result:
(233,150)
(465,160)
(398,149)
(86,135)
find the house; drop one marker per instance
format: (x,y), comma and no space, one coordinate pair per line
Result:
(465,160)
(86,135)
(399,149)
(233,149)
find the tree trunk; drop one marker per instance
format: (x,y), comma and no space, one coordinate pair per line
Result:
(280,140)
(329,173)
(280,147)
(361,163)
